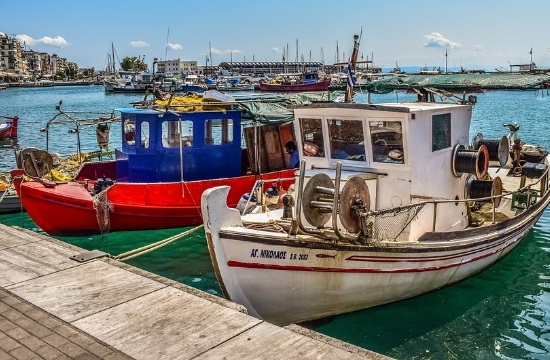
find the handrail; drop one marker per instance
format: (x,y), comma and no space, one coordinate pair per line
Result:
(435,202)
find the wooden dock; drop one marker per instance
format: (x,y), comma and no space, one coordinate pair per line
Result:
(55,301)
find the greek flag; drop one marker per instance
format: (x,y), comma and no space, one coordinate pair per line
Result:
(351,76)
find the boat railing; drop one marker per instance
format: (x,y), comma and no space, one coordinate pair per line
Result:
(80,119)
(410,210)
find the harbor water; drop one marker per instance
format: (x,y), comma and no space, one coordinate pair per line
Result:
(501,313)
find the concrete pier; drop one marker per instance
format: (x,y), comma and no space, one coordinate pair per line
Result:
(56,304)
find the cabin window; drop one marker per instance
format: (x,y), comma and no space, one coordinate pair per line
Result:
(312,137)
(346,139)
(441,131)
(171,131)
(145,135)
(218,131)
(129,131)
(387,141)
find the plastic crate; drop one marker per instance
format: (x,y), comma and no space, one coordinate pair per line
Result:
(520,200)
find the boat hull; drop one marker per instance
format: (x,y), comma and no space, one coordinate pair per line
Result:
(316,86)
(10,203)
(68,209)
(288,279)
(8,130)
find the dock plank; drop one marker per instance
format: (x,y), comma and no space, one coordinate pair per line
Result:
(165,324)
(28,261)
(10,237)
(84,290)
(267,341)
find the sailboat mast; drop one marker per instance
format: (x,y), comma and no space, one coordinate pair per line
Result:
(113,69)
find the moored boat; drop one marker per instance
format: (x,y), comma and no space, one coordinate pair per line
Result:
(167,159)
(294,83)
(8,129)
(383,214)
(391,201)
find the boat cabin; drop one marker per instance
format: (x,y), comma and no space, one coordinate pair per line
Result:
(171,146)
(404,151)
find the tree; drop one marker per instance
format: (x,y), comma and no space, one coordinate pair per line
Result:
(133,64)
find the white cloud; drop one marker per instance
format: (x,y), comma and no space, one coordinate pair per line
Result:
(438,41)
(139,44)
(174,46)
(217,51)
(478,48)
(58,41)
(275,50)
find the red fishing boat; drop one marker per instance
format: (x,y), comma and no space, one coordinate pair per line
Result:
(167,160)
(8,129)
(295,83)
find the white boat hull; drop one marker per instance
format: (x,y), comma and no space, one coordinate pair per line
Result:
(287,279)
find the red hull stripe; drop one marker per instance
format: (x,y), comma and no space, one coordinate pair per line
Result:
(240,264)
(423,259)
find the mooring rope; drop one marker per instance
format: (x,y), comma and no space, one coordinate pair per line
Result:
(148,248)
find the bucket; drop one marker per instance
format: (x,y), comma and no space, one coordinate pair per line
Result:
(272,196)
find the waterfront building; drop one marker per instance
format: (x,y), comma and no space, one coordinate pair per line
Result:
(177,66)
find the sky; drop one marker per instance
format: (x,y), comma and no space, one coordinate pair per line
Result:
(482,34)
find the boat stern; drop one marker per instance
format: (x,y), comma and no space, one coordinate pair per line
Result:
(216,215)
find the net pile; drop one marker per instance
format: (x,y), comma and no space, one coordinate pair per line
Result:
(103,208)
(392,224)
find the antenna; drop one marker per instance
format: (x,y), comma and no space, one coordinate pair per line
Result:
(166,48)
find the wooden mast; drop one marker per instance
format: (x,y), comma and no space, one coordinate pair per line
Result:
(351,70)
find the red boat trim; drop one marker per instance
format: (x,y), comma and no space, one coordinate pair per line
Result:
(241,264)
(423,259)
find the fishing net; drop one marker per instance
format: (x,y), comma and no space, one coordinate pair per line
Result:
(391,224)
(103,208)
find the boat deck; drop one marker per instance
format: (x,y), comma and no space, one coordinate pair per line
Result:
(56,304)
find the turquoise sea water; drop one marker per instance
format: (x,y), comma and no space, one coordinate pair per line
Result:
(502,313)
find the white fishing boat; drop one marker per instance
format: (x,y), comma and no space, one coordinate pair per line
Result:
(391,201)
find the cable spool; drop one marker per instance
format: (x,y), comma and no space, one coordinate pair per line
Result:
(355,193)
(477,189)
(317,199)
(499,150)
(470,161)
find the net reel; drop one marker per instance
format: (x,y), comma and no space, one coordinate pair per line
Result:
(480,189)
(318,202)
(36,163)
(470,161)
(499,149)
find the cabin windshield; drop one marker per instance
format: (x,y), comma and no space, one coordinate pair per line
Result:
(312,137)
(145,134)
(346,139)
(441,131)
(218,131)
(129,131)
(387,141)
(171,133)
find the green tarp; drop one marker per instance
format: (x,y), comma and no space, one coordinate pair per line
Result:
(274,109)
(457,82)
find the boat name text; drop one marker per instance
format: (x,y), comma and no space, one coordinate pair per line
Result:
(273,254)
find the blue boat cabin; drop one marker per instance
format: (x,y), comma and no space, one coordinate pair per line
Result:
(209,143)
